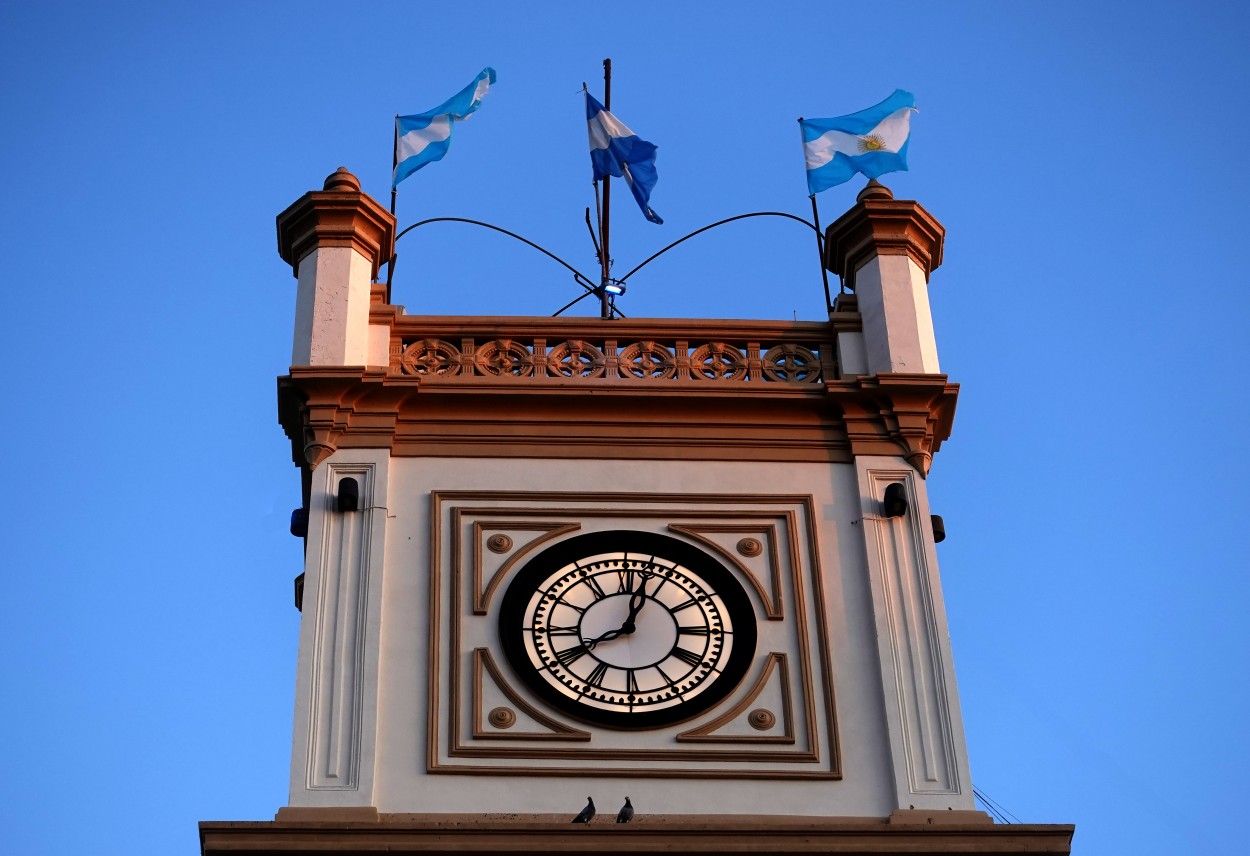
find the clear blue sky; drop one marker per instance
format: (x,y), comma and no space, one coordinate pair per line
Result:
(1086,159)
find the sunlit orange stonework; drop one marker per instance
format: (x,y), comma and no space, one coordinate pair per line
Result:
(484,446)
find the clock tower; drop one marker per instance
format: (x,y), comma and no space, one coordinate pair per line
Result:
(687,560)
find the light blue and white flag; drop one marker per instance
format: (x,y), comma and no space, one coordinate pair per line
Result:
(872,141)
(423,138)
(616,150)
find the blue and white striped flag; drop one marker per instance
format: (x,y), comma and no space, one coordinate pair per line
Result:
(423,138)
(872,141)
(616,150)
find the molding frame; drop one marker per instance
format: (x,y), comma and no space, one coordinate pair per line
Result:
(484,665)
(770,597)
(482,595)
(774,662)
(452,744)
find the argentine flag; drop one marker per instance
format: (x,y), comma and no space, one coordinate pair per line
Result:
(872,141)
(425,137)
(616,150)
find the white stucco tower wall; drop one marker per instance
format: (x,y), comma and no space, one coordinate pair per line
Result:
(898,327)
(332,309)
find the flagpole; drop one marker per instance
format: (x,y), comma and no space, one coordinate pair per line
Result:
(605,306)
(824,273)
(390,268)
(603,263)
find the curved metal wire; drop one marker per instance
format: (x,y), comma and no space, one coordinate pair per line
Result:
(722,223)
(578,277)
(571,303)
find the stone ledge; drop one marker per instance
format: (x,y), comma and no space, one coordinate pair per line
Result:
(325,831)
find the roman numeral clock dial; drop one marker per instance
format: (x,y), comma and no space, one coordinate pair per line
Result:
(628,629)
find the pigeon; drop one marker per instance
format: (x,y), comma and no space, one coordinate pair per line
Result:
(588,813)
(626,814)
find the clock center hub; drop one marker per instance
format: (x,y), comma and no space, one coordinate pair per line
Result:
(653,636)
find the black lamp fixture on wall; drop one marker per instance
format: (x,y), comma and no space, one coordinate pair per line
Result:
(895,501)
(349,495)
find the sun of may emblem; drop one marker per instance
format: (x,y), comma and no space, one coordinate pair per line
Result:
(871,143)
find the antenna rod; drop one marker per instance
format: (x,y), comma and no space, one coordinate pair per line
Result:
(603,260)
(605,306)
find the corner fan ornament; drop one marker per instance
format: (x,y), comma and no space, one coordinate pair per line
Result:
(871,142)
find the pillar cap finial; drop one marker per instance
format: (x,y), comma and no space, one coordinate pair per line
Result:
(341,215)
(877,225)
(342,180)
(874,190)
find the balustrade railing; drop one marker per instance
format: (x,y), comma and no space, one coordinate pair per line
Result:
(439,349)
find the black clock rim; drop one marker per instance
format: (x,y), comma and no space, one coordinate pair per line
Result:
(536,570)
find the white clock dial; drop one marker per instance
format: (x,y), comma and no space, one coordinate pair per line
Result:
(647,634)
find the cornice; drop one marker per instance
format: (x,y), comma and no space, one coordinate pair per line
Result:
(878,224)
(338,216)
(324,409)
(887,412)
(318,406)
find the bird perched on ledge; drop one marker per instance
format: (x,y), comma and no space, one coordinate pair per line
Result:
(588,813)
(626,814)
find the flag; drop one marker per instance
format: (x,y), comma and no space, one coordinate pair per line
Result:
(872,141)
(425,137)
(616,150)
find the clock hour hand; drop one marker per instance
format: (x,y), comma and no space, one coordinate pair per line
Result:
(604,637)
(636,600)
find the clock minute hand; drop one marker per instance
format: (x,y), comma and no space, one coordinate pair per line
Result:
(636,600)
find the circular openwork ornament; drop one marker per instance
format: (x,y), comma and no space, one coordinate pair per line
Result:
(627,629)
(576,358)
(718,361)
(791,363)
(504,357)
(431,357)
(647,359)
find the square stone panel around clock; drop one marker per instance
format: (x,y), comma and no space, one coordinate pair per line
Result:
(767,712)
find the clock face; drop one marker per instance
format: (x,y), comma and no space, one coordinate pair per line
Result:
(628,629)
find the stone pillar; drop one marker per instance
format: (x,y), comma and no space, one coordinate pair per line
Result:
(884,249)
(335,240)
